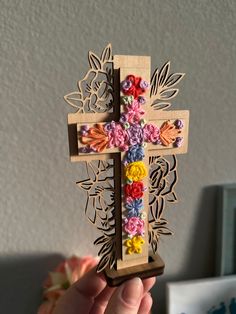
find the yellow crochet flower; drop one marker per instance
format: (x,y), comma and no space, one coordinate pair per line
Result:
(134,245)
(136,171)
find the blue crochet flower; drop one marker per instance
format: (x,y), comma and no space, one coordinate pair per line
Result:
(135,153)
(135,207)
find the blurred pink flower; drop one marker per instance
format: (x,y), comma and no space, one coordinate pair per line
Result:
(58,281)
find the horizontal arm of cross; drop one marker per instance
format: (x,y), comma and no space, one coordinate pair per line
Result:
(158,119)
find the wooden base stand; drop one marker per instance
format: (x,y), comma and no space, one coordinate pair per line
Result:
(155,267)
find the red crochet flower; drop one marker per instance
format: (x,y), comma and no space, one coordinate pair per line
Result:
(134,190)
(133,86)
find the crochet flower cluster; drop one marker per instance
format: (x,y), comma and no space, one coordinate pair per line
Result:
(134,168)
(130,131)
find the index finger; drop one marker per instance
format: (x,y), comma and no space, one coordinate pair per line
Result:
(80,296)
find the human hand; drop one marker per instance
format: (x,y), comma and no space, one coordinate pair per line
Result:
(91,295)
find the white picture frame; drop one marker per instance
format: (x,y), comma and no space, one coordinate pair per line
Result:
(226,231)
(204,296)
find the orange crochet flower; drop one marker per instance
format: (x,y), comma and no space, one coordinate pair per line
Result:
(97,138)
(168,133)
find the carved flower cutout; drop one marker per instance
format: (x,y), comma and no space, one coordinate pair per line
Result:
(162,181)
(95,90)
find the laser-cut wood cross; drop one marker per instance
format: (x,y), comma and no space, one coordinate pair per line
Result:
(124,65)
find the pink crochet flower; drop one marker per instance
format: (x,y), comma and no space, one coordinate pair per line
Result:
(134,112)
(151,133)
(58,281)
(117,136)
(134,226)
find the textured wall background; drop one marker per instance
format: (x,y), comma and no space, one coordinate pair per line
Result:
(44,47)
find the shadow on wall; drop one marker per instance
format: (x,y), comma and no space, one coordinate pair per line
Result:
(200,262)
(21,281)
(22,276)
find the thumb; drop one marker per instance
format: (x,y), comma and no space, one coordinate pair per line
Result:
(127,298)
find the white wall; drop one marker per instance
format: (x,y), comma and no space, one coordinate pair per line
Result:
(43,52)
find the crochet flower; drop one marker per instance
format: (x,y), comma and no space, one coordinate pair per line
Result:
(134,86)
(123,118)
(126,85)
(179,124)
(86,149)
(135,153)
(84,130)
(127,100)
(143,215)
(96,138)
(134,245)
(135,134)
(141,100)
(116,134)
(179,141)
(134,190)
(136,171)
(143,84)
(134,207)
(134,226)
(151,133)
(168,133)
(134,112)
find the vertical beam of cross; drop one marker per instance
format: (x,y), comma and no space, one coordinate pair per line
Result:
(140,67)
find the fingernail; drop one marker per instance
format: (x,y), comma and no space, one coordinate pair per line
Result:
(132,291)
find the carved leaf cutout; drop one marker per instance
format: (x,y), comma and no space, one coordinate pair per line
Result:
(154,246)
(165,230)
(94,61)
(103,263)
(171,197)
(107,54)
(164,71)
(161,105)
(174,79)
(89,209)
(74,100)
(99,240)
(85,184)
(154,83)
(168,93)
(161,86)
(107,251)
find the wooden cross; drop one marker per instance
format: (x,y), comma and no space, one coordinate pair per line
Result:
(139,66)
